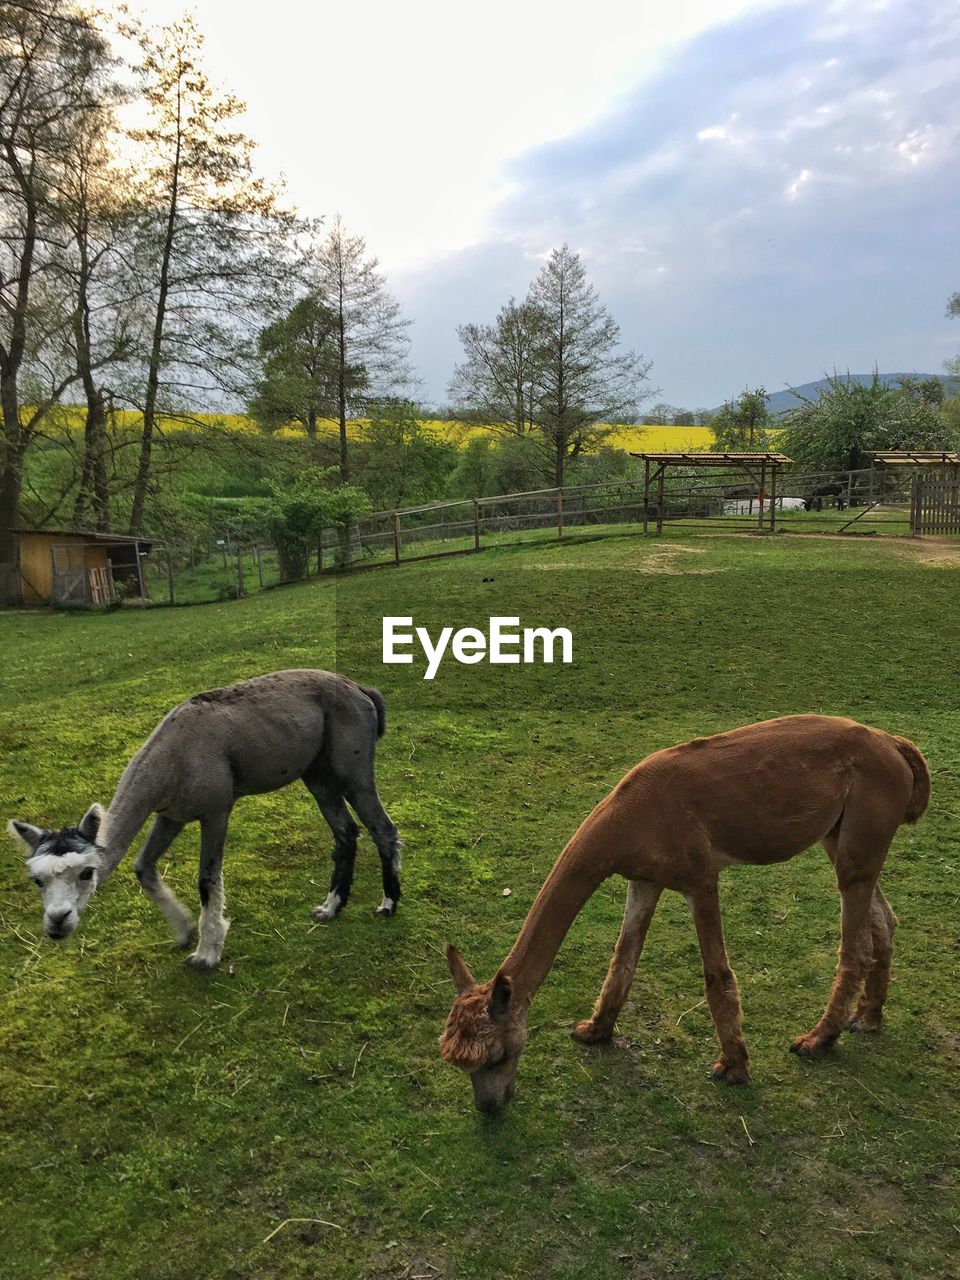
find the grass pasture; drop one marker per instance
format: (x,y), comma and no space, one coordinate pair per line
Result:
(288,1116)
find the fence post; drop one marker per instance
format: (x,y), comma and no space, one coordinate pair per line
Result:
(660,499)
(170,574)
(646,492)
(560,513)
(396,538)
(259,552)
(476,525)
(239,572)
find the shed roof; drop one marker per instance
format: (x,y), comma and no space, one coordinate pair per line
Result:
(916,458)
(716,459)
(90,535)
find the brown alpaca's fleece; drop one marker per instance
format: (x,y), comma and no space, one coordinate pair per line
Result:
(756,795)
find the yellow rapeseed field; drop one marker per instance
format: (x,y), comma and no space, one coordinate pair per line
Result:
(651,438)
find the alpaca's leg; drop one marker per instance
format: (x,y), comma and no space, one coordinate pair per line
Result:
(326,791)
(720,984)
(213,925)
(851,969)
(162,834)
(642,898)
(374,817)
(869,1012)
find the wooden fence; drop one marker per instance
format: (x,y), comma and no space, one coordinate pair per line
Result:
(935,504)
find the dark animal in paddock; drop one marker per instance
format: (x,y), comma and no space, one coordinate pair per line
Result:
(835,489)
(246,739)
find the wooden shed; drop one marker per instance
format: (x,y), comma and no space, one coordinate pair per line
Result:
(77,567)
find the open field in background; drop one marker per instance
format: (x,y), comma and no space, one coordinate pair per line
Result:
(160,1123)
(624,436)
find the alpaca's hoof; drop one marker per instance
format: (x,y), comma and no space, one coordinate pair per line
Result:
(730,1072)
(865,1022)
(387,907)
(811,1046)
(327,910)
(186,941)
(197,961)
(590,1032)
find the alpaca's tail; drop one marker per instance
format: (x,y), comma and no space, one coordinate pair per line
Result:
(921,778)
(376,697)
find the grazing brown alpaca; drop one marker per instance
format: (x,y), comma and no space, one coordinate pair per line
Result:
(756,795)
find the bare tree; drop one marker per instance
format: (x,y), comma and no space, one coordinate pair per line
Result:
(550,369)
(211,234)
(584,380)
(50,57)
(370,333)
(497,383)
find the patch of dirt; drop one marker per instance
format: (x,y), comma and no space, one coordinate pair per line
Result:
(665,561)
(936,553)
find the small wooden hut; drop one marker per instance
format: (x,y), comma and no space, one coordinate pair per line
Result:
(77,567)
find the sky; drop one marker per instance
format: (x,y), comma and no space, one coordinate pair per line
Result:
(761,192)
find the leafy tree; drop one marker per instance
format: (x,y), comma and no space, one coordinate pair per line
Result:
(953,310)
(661,415)
(370,334)
(401,461)
(837,431)
(298,514)
(211,241)
(299,374)
(929,390)
(744,425)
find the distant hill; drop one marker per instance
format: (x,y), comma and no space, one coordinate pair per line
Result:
(781,401)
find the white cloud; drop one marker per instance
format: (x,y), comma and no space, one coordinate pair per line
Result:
(404,116)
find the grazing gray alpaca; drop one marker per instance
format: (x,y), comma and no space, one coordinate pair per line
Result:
(246,739)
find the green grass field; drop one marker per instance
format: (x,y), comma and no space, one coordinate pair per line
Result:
(162,1124)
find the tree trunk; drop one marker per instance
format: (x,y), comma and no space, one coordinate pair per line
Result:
(156,350)
(10,483)
(93,497)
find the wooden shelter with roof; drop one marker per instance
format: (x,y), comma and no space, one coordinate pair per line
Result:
(934,486)
(78,567)
(761,469)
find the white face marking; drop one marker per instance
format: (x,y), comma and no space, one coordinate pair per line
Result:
(66,882)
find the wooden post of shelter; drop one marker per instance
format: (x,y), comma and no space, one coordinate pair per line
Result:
(560,513)
(760,496)
(240,591)
(660,472)
(476,525)
(773,499)
(396,538)
(646,493)
(143,589)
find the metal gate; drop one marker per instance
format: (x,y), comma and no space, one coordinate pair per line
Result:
(935,504)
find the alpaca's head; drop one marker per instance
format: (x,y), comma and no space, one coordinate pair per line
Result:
(66,867)
(485,1034)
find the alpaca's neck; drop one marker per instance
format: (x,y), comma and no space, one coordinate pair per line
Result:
(577,873)
(129,809)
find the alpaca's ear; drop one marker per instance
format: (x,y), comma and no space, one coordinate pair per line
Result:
(499,1005)
(463,979)
(89,824)
(28,836)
